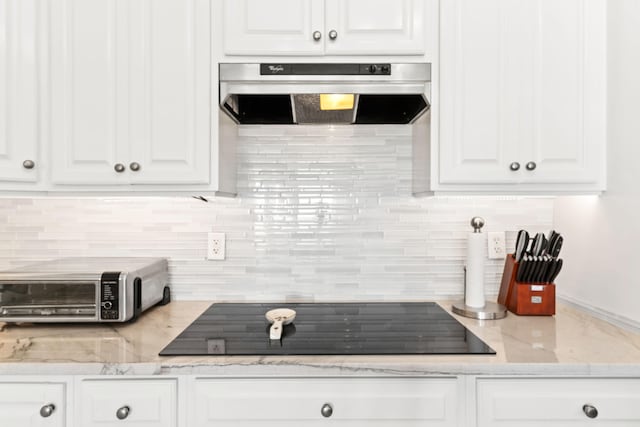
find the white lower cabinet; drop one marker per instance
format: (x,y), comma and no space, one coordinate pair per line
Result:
(553,402)
(354,402)
(124,402)
(191,401)
(32,404)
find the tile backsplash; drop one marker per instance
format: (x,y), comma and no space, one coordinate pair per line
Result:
(322,213)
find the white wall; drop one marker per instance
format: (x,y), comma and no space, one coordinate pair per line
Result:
(323,213)
(602,235)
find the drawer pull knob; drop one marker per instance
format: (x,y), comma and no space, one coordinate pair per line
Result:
(28,164)
(590,411)
(317,35)
(123,412)
(135,166)
(333,34)
(514,166)
(47,410)
(531,166)
(119,167)
(327,410)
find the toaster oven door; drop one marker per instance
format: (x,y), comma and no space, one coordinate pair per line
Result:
(48,300)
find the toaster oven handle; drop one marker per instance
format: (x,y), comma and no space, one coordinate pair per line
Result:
(137,297)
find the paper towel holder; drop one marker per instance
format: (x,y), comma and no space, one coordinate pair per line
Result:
(490,310)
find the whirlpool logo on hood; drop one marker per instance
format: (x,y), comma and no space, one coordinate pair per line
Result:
(266,69)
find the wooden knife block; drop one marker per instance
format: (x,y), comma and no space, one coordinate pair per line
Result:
(525,299)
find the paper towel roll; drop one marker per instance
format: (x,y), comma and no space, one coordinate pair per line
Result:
(474,291)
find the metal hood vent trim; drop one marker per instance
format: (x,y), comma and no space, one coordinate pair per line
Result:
(290,93)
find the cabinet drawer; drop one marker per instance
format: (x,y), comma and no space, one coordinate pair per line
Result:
(300,401)
(137,402)
(32,404)
(558,402)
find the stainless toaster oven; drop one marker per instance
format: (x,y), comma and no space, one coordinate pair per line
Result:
(83,290)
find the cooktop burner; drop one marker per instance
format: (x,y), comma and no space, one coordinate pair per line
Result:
(328,329)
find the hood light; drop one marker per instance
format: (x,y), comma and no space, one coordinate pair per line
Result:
(336,101)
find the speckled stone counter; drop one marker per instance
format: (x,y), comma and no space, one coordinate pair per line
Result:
(571,343)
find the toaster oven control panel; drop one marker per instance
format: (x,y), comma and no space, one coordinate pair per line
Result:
(109,296)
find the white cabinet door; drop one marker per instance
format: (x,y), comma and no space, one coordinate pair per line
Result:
(522,93)
(130,92)
(89,110)
(353,402)
(343,27)
(273,27)
(375,27)
(169,91)
(19,64)
(32,405)
(133,403)
(567,97)
(559,402)
(479,80)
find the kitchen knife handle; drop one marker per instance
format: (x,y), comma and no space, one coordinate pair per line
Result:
(556,271)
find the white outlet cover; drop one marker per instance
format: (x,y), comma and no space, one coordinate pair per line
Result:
(216,243)
(496,244)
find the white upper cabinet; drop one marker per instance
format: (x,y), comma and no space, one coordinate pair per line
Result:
(170,91)
(19,110)
(324,27)
(522,90)
(130,92)
(259,27)
(375,27)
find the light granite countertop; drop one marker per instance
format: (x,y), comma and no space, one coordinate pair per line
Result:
(572,343)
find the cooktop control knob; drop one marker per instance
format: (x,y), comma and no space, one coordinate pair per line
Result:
(373,68)
(107,305)
(384,69)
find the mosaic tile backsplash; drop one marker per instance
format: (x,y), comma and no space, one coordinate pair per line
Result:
(323,213)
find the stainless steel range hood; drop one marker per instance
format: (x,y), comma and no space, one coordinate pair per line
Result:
(371,93)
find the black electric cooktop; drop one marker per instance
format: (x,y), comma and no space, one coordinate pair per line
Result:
(328,329)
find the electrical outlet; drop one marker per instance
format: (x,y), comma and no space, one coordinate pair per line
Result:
(216,246)
(496,244)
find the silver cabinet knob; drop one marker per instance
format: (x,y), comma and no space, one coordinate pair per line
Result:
(590,411)
(119,167)
(28,164)
(531,166)
(333,34)
(134,166)
(317,35)
(47,410)
(123,412)
(514,166)
(326,410)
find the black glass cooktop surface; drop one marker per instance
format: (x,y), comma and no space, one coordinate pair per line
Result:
(328,329)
